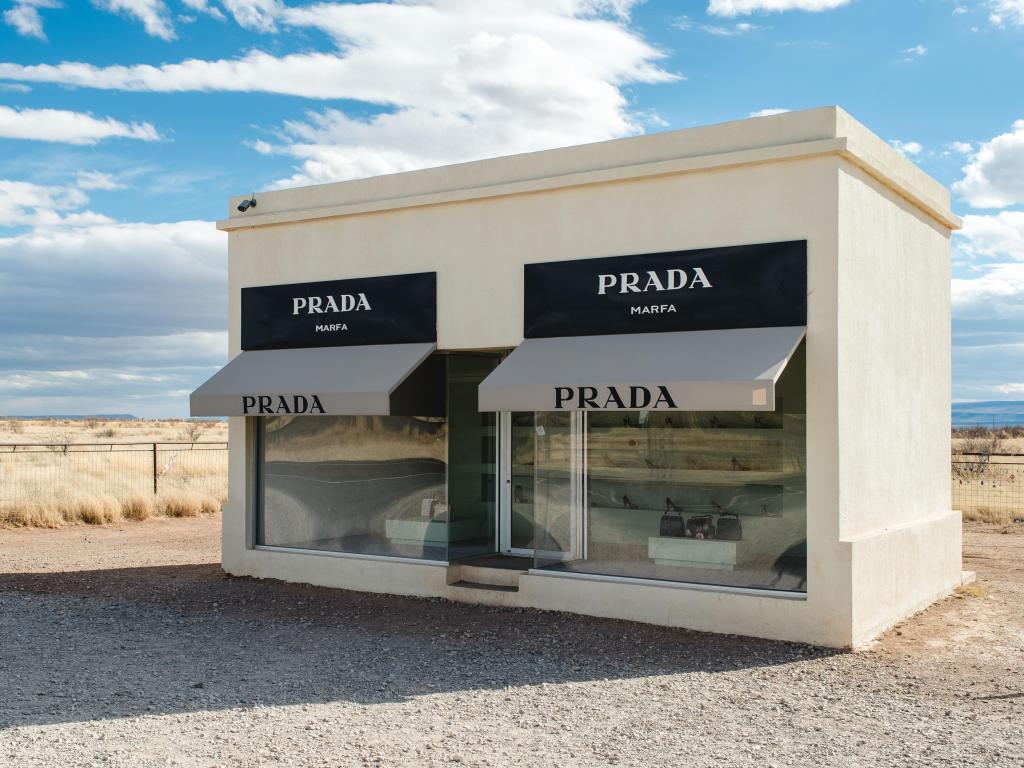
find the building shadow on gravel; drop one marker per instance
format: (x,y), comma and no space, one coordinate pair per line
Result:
(88,645)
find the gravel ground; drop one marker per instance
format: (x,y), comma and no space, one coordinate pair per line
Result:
(127,646)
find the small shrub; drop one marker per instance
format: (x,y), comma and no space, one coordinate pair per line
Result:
(970,590)
(89,510)
(107,433)
(209,504)
(179,504)
(193,431)
(186,504)
(988,515)
(32,514)
(137,507)
(111,508)
(14,426)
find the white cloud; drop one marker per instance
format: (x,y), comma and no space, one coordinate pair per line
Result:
(203,6)
(96,180)
(24,17)
(470,80)
(152,13)
(257,15)
(735,30)
(94,312)
(997,291)
(769,112)
(906,148)
(1007,12)
(743,7)
(1001,235)
(988,304)
(917,50)
(960,147)
(457,80)
(994,177)
(59,125)
(23,203)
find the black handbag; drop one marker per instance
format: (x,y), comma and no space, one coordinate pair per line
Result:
(729,528)
(671,524)
(696,525)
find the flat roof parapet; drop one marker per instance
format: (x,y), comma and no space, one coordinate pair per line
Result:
(777,138)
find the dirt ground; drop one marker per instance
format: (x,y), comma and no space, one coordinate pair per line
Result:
(127,646)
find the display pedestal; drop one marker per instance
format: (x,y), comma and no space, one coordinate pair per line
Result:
(692,553)
(426,532)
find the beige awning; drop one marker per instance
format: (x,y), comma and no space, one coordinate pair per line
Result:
(722,370)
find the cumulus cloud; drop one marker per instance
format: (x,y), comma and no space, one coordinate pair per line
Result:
(735,30)
(60,125)
(770,111)
(744,7)
(257,15)
(24,17)
(994,177)
(906,148)
(1005,12)
(453,80)
(152,13)
(469,80)
(86,301)
(988,304)
(1001,235)
(96,180)
(203,6)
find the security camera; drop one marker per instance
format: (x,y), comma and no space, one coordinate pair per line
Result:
(245,205)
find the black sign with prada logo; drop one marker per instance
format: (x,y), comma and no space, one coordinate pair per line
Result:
(397,309)
(743,286)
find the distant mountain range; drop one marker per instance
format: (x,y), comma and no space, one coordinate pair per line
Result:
(999,413)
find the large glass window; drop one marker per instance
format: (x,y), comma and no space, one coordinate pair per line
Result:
(716,498)
(400,486)
(371,485)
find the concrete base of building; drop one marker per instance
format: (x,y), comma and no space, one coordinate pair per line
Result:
(899,572)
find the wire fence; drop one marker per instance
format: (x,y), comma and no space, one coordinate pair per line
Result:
(989,487)
(986,486)
(31,472)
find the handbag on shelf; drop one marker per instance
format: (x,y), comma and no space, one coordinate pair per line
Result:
(672,524)
(701,524)
(729,527)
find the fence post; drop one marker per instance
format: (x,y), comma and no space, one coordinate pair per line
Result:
(154,469)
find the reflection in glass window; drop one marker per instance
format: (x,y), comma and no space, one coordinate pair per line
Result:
(360,484)
(716,498)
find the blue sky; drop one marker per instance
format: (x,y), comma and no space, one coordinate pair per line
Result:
(125,125)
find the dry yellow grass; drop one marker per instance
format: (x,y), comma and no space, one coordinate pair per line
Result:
(73,483)
(983,514)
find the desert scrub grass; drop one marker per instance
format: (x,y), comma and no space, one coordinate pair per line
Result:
(33,514)
(970,590)
(88,509)
(137,507)
(186,504)
(982,514)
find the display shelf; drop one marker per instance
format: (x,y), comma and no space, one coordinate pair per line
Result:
(711,554)
(634,476)
(428,532)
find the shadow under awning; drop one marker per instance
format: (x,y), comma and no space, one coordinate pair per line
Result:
(356,381)
(720,370)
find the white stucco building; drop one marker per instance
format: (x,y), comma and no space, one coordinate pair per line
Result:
(699,378)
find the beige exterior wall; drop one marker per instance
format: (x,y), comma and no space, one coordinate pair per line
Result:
(877,356)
